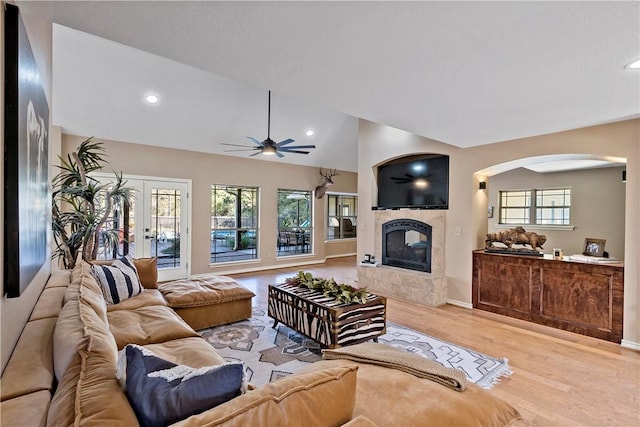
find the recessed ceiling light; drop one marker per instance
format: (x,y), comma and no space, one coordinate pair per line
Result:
(309,132)
(152,99)
(634,65)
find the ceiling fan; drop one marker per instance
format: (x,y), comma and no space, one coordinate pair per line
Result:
(269,147)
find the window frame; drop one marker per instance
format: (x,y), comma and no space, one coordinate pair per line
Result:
(295,238)
(231,235)
(533,208)
(339,216)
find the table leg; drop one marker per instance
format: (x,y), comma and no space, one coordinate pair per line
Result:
(275,323)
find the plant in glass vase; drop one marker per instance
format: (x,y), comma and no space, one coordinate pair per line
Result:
(81,205)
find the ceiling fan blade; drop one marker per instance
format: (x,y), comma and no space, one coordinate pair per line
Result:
(285,142)
(254,140)
(237,145)
(246,149)
(295,151)
(279,154)
(296,147)
(256,153)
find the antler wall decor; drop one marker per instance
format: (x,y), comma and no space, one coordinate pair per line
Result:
(326,176)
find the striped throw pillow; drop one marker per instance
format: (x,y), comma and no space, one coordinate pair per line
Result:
(118,281)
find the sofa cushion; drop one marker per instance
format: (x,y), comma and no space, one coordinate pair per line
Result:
(80,327)
(89,395)
(147,271)
(388,397)
(162,392)
(28,410)
(147,325)
(203,291)
(49,303)
(119,280)
(200,353)
(59,279)
(143,299)
(83,282)
(360,421)
(323,397)
(30,367)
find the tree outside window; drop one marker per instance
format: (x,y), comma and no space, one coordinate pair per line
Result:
(234,223)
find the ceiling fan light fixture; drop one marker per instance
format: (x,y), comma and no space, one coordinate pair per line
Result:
(421,183)
(269,150)
(269,147)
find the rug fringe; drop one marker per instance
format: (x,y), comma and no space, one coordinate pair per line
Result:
(492,380)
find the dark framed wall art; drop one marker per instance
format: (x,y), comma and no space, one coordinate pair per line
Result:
(26,180)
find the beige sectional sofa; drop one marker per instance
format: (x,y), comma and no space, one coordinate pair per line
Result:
(63,372)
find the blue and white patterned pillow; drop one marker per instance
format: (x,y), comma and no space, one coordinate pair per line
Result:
(119,280)
(163,393)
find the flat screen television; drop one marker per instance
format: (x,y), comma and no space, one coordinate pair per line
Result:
(419,182)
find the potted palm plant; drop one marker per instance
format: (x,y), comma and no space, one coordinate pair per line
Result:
(81,205)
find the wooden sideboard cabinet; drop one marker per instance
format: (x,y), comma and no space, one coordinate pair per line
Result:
(579,297)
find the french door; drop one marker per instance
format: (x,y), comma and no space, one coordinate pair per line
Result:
(158,224)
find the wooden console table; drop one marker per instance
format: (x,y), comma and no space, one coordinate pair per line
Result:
(579,297)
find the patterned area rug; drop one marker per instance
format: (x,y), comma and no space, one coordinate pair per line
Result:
(270,354)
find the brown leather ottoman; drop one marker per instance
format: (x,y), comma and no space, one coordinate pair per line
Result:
(208,301)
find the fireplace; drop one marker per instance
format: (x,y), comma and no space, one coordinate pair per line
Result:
(406,243)
(423,232)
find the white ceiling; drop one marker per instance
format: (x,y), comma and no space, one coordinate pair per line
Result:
(465,73)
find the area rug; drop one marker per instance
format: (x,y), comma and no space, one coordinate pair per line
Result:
(269,353)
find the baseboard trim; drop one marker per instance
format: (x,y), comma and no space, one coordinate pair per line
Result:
(258,268)
(340,255)
(630,344)
(459,303)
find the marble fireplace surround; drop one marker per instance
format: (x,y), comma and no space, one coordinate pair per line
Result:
(428,289)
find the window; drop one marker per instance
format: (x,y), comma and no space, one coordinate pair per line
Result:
(342,216)
(234,223)
(536,207)
(553,207)
(515,207)
(294,222)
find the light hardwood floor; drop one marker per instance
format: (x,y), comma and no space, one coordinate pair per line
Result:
(559,378)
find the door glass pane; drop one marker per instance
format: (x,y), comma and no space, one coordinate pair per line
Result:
(111,241)
(129,244)
(165,227)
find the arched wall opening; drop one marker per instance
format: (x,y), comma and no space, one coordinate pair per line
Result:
(601,183)
(597,198)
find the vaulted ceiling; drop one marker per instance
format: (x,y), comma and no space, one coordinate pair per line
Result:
(464,73)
